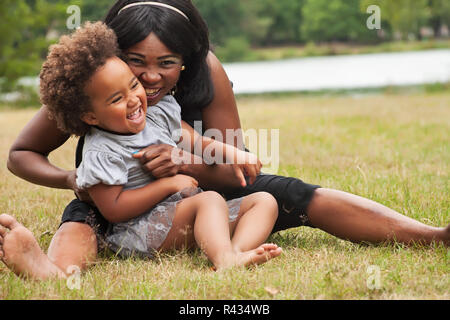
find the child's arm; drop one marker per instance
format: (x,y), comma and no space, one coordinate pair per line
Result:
(117,205)
(242,162)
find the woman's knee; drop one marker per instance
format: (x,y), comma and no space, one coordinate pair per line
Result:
(73,244)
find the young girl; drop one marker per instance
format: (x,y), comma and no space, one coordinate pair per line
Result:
(109,106)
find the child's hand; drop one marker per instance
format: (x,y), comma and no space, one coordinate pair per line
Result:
(181,181)
(246,164)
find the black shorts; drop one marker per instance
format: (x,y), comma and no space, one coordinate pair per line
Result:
(79,211)
(292,194)
(293,197)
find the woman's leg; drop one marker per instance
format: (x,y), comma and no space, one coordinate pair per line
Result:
(342,214)
(21,253)
(357,219)
(74,244)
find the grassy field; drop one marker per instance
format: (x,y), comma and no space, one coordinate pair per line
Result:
(390,148)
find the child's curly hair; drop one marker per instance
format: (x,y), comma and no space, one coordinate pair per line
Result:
(69,66)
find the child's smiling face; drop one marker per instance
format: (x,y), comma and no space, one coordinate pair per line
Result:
(118,100)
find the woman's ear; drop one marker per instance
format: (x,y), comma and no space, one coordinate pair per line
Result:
(89,118)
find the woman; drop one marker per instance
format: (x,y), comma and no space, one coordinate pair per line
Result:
(204,93)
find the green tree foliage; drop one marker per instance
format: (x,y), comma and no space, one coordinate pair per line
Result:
(23,43)
(334,20)
(405,17)
(94,10)
(26,27)
(440,15)
(262,22)
(285,21)
(225,18)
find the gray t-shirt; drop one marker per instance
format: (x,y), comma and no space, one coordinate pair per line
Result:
(108,157)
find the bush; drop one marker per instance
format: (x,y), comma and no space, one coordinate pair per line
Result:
(21,96)
(235,49)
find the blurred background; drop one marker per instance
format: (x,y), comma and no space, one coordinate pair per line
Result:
(314,44)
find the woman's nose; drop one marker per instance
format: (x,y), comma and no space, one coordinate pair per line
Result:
(151,76)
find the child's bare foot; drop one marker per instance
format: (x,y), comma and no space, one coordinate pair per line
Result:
(262,254)
(21,253)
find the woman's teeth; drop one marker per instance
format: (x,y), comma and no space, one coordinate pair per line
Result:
(152,92)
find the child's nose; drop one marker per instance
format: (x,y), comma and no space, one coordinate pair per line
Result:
(134,100)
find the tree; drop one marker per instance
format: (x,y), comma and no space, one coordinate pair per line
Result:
(95,10)
(286,21)
(405,17)
(334,20)
(439,15)
(224,18)
(24,25)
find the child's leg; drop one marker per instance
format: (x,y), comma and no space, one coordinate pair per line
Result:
(257,217)
(203,219)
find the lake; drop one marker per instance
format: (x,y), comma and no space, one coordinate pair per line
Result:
(341,72)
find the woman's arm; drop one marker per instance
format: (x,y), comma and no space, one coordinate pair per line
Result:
(117,205)
(28,154)
(222,113)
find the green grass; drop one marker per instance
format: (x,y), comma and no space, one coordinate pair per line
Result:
(392,148)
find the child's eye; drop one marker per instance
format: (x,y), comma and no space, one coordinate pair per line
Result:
(135,85)
(116,100)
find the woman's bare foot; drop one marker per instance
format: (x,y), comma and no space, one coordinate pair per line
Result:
(262,254)
(446,235)
(21,253)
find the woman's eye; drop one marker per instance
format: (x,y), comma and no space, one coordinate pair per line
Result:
(135,61)
(167,63)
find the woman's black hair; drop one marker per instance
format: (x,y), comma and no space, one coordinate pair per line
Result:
(190,39)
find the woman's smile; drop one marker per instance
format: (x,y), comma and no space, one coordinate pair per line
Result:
(153,95)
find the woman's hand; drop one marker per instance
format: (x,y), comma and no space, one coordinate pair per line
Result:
(246,164)
(161,160)
(81,194)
